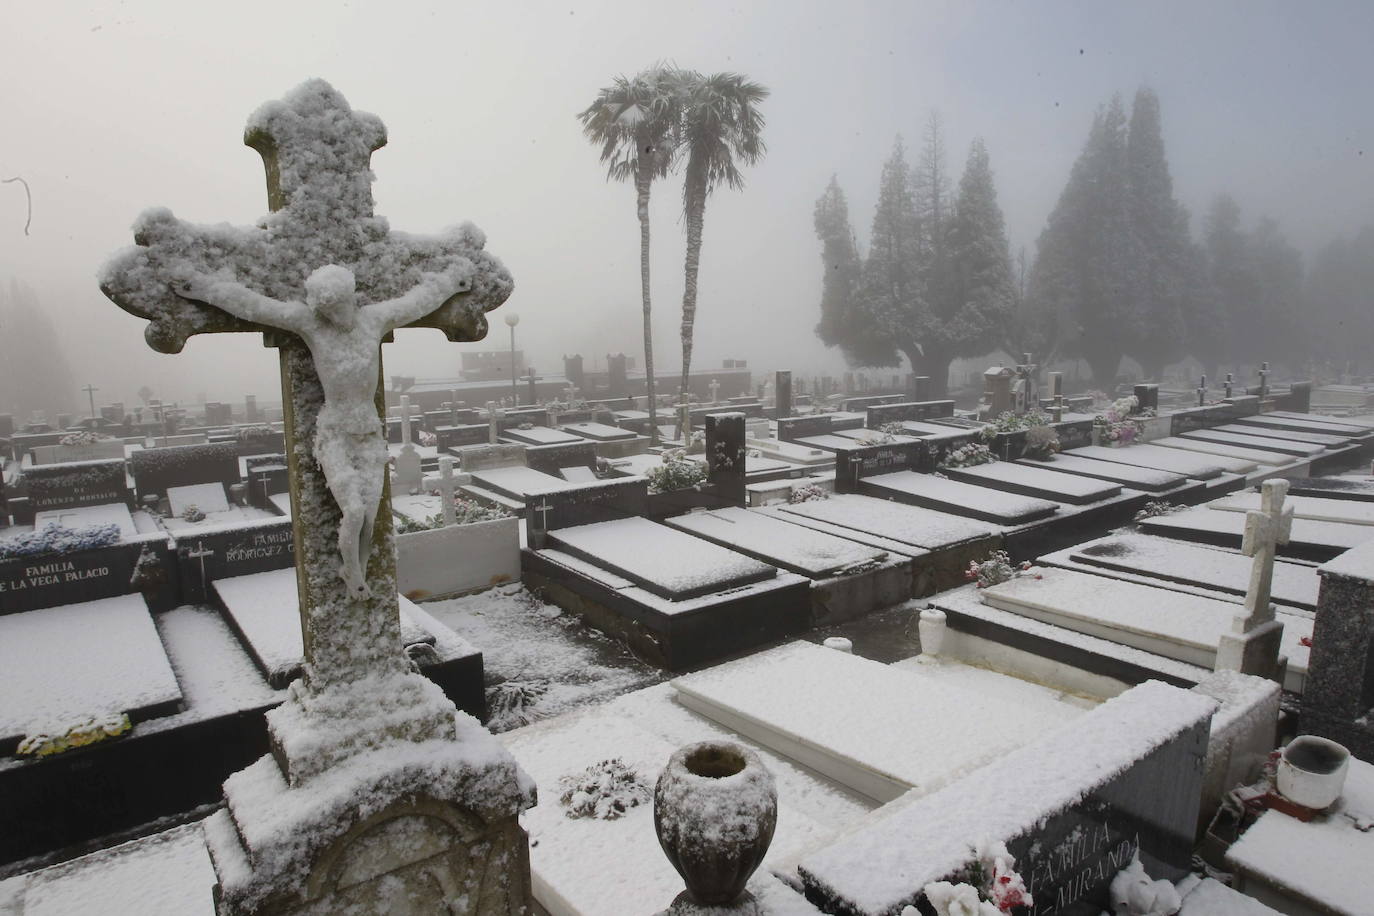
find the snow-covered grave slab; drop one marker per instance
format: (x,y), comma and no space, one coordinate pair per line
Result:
(263,608)
(792,452)
(1284,435)
(1309,539)
(1350,511)
(518,482)
(836,713)
(599,432)
(829,442)
(1295,584)
(588,865)
(216,674)
(165,874)
(539,435)
(1130,475)
(1352,487)
(1069,805)
(1321,866)
(872,436)
(1359,421)
(767,538)
(1174,461)
(1224,450)
(913,525)
(924,430)
(657,558)
(1306,423)
(1043,483)
(63,665)
(418,507)
(207,497)
(1169,623)
(1262,443)
(1209,897)
(88,516)
(958,498)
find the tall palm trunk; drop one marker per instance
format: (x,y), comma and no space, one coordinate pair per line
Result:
(642,179)
(696,218)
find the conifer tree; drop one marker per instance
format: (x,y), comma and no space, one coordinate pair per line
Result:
(842,323)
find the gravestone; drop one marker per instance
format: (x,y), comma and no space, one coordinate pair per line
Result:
(550,459)
(726,455)
(617,385)
(1254,646)
(585,504)
(74,484)
(6,425)
(790,429)
(157,469)
(573,371)
(250,409)
(1148,396)
(481,457)
(408,461)
(442,798)
(854,464)
(446,489)
(1340,674)
(225,552)
(218,414)
(782,394)
(997,393)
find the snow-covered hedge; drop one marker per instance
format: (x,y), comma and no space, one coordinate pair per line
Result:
(56,539)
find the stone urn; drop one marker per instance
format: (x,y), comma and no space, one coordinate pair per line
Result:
(715,807)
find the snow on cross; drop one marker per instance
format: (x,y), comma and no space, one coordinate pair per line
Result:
(323,267)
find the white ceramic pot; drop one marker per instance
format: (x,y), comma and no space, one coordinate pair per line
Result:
(1312,771)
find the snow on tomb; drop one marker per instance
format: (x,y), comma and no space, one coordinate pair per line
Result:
(958,498)
(1315,508)
(1312,437)
(112,662)
(1305,423)
(155,470)
(631,873)
(657,558)
(1310,540)
(207,497)
(1263,443)
(539,435)
(1042,483)
(911,525)
(67,486)
(327,281)
(1161,560)
(598,432)
(1137,478)
(834,712)
(771,540)
(1225,450)
(79,517)
(1320,866)
(518,482)
(1173,624)
(1073,806)
(1358,488)
(1163,459)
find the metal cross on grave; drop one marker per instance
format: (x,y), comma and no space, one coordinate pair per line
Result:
(1265,530)
(288,277)
(200,553)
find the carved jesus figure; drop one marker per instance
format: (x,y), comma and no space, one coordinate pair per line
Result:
(345,342)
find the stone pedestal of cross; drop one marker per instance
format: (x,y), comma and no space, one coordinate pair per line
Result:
(1253,647)
(408,461)
(420,803)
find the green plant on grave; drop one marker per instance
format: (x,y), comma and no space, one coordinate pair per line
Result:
(677,472)
(1009,422)
(1042,443)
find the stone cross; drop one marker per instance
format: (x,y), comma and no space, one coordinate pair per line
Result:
(1265,530)
(408,461)
(453,406)
(1202,392)
(317,153)
(1264,379)
(1230,385)
(493,423)
(715,391)
(446,489)
(1253,645)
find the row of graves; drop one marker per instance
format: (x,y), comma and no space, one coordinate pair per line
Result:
(164,588)
(938,784)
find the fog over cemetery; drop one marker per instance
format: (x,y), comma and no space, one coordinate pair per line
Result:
(883,459)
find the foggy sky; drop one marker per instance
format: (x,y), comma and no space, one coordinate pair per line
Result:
(110,108)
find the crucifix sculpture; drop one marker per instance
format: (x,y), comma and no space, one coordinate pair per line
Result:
(326,281)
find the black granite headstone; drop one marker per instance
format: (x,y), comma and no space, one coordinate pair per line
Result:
(790,429)
(463,434)
(616,384)
(548,459)
(854,464)
(225,552)
(782,397)
(881,414)
(156,469)
(726,455)
(623,497)
(218,414)
(1148,396)
(6,425)
(77,483)
(53,580)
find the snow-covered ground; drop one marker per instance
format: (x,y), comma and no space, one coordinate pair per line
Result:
(539,661)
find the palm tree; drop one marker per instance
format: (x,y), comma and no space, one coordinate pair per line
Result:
(721,123)
(635,121)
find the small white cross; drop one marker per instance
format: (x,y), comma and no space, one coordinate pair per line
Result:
(446,488)
(1265,529)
